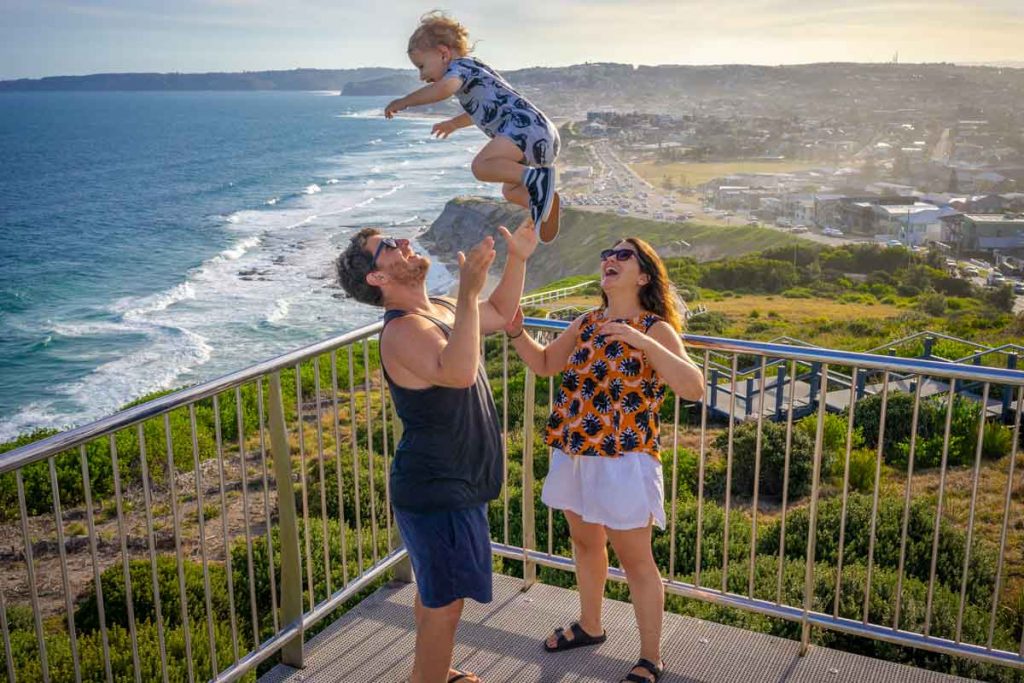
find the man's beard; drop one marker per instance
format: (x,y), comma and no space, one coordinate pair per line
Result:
(410,273)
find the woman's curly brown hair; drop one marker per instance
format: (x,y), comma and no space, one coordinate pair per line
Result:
(659,294)
(436,29)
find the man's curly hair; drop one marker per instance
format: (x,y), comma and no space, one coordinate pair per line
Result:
(354,264)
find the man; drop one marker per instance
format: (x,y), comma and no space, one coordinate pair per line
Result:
(448,463)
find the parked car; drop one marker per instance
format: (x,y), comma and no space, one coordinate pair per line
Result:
(1018,288)
(798,229)
(971,271)
(832,232)
(995,279)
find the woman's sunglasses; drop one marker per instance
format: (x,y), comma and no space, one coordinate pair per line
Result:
(619,254)
(389,242)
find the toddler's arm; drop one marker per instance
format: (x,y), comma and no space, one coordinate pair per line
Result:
(435,92)
(449,126)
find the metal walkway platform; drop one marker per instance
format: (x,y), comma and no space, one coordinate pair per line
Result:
(501,642)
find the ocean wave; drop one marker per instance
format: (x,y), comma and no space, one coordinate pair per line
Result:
(86,329)
(233,218)
(375,141)
(333,181)
(279,311)
(272,201)
(169,353)
(365,202)
(239,249)
(304,221)
(311,189)
(375,113)
(160,301)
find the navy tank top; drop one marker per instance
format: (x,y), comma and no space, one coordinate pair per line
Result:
(450,454)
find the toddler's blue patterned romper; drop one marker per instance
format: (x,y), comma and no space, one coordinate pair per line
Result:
(497,109)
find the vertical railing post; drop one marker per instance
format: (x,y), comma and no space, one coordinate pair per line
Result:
(403,570)
(862,379)
(1011,364)
(812,528)
(714,388)
(813,387)
(750,393)
(929,342)
(529,532)
(780,385)
(291,568)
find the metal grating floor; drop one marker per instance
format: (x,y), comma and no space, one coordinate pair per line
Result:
(501,642)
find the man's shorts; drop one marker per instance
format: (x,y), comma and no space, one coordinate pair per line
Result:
(450,552)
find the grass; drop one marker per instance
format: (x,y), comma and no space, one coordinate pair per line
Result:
(797,311)
(691,174)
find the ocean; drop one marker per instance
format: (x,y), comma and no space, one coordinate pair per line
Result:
(154,240)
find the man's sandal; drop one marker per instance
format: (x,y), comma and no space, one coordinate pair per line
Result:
(580,638)
(462,676)
(650,667)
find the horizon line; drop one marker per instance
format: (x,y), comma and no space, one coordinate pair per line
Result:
(998,64)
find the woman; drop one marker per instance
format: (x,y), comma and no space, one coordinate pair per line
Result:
(605,473)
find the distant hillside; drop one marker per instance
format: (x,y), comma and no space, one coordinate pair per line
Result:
(296,79)
(394,85)
(808,90)
(466,220)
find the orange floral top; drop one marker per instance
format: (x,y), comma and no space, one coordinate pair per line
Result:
(610,397)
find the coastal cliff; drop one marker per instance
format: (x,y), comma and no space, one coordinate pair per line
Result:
(467,220)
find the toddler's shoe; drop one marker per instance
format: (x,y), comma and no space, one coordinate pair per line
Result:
(540,184)
(549,228)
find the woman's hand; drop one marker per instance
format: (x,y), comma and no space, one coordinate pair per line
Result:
(445,128)
(627,334)
(394,107)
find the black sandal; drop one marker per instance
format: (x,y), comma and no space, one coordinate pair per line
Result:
(580,638)
(461,676)
(651,668)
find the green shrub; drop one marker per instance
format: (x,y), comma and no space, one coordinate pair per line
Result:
(863,462)
(996,441)
(932,303)
(921,522)
(773,451)
(143,602)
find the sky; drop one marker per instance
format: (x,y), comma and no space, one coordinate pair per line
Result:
(73,37)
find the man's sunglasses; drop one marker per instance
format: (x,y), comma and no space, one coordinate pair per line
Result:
(619,254)
(389,242)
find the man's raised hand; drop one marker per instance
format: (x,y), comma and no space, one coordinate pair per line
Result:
(473,268)
(521,243)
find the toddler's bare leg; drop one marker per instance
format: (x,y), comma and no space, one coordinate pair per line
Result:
(498,162)
(517,194)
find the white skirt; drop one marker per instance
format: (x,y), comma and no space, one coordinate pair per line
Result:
(621,493)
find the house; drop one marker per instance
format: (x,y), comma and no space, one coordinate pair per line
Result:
(913,224)
(985,232)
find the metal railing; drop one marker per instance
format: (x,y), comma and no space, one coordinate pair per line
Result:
(268,487)
(224,522)
(822,599)
(555,294)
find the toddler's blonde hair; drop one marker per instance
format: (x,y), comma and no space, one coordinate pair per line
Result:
(436,29)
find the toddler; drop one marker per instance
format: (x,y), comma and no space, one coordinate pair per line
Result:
(524,142)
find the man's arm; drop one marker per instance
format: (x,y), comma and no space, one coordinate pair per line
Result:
(501,305)
(421,350)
